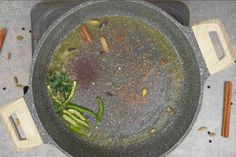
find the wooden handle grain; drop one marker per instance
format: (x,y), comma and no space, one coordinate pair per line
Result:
(3,33)
(208,46)
(227,109)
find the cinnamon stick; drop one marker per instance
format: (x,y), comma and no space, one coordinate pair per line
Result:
(227,109)
(3,33)
(85,34)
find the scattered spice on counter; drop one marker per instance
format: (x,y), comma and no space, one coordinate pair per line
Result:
(8,55)
(227,109)
(3,33)
(202,129)
(19,37)
(212,134)
(19,86)
(15,79)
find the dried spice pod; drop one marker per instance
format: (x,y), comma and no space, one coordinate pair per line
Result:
(15,79)
(19,37)
(144,92)
(8,55)
(202,129)
(170,110)
(104,24)
(19,86)
(152,131)
(104,44)
(95,22)
(212,134)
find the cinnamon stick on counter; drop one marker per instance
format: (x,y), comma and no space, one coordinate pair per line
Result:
(3,33)
(227,109)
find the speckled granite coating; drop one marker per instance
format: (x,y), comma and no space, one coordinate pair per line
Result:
(17,15)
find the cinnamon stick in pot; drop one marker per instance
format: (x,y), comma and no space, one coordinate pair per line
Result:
(227,109)
(85,34)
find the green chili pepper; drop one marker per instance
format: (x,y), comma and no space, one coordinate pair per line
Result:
(77,120)
(78,114)
(56,82)
(69,120)
(72,93)
(100,109)
(77,130)
(53,97)
(79,108)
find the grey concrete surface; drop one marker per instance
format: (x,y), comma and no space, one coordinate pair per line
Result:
(16,14)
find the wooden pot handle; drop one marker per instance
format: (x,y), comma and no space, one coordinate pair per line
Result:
(212,40)
(20,125)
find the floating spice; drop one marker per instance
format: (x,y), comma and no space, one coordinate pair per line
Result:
(19,37)
(162,62)
(144,92)
(101,52)
(71,49)
(109,94)
(120,38)
(85,34)
(95,22)
(170,110)
(202,129)
(104,44)
(104,24)
(152,131)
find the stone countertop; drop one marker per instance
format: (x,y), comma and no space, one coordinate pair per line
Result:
(15,15)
